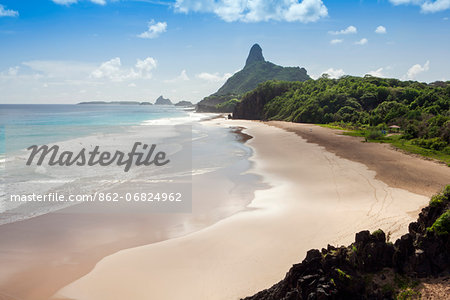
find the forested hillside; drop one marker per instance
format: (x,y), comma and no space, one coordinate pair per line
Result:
(420,110)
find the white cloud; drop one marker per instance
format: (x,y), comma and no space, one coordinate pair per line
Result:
(334,73)
(65,2)
(257,10)
(417,69)
(305,11)
(362,41)
(349,30)
(73,72)
(154,30)
(336,41)
(132,85)
(109,69)
(69,2)
(216,77)
(13,71)
(435,6)
(399,2)
(10,73)
(7,12)
(101,2)
(426,6)
(59,69)
(377,73)
(380,30)
(112,70)
(182,77)
(144,68)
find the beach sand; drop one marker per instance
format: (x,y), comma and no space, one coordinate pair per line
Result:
(315,198)
(38,256)
(392,166)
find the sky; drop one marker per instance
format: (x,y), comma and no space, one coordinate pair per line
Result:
(68,51)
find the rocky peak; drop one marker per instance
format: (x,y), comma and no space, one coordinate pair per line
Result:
(255,55)
(163,101)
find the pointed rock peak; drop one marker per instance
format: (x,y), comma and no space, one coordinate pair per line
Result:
(254,55)
(163,101)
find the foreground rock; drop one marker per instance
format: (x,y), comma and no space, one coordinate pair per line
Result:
(372,267)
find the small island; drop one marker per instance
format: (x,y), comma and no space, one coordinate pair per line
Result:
(163,101)
(184,104)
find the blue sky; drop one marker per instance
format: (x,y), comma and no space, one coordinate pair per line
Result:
(66,51)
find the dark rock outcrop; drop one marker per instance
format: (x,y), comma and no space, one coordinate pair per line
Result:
(184,104)
(254,55)
(359,271)
(163,101)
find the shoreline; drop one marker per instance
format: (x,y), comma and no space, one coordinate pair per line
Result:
(42,254)
(251,250)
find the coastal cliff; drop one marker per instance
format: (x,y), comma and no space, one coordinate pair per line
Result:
(372,267)
(252,105)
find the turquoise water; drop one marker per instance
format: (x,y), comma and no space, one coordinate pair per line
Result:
(30,119)
(197,151)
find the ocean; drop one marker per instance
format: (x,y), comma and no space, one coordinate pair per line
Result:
(193,148)
(95,116)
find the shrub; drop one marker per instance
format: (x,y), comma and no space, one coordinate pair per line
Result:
(433,144)
(408,294)
(442,225)
(374,134)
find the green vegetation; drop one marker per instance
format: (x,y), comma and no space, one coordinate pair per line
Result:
(332,281)
(402,143)
(406,288)
(377,232)
(248,78)
(227,105)
(403,282)
(369,106)
(438,200)
(408,294)
(211,103)
(442,225)
(342,274)
(387,288)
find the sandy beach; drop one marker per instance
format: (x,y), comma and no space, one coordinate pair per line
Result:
(44,253)
(392,166)
(316,197)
